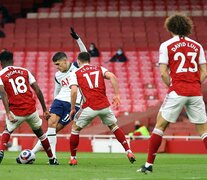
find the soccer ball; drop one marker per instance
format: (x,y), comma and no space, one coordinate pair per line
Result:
(26,157)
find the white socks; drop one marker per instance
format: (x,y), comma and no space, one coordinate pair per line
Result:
(51,134)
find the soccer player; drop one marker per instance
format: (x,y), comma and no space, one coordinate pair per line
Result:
(183,69)
(19,103)
(60,108)
(90,80)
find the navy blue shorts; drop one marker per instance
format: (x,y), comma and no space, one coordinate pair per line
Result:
(62,109)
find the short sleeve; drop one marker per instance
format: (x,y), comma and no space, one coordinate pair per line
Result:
(73,79)
(163,54)
(202,59)
(104,70)
(1,82)
(31,78)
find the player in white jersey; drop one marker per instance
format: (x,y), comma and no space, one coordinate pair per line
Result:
(60,108)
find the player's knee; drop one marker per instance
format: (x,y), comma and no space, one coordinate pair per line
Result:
(76,128)
(38,132)
(113,127)
(52,123)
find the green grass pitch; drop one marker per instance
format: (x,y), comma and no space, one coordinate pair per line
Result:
(105,166)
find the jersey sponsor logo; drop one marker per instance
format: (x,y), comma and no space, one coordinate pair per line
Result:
(65,82)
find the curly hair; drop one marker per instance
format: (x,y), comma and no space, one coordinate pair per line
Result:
(179,24)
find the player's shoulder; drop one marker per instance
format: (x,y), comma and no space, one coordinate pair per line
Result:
(21,68)
(169,41)
(58,73)
(14,68)
(75,65)
(193,41)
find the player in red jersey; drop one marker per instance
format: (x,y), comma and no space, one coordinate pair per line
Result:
(90,80)
(183,69)
(19,103)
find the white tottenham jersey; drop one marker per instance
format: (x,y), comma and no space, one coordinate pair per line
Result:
(62,90)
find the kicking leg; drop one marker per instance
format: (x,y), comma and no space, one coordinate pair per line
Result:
(38,145)
(46,145)
(122,139)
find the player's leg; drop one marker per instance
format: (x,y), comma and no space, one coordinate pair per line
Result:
(119,134)
(202,130)
(51,131)
(196,112)
(81,119)
(38,145)
(59,112)
(154,143)
(3,145)
(10,127)
(74,142)
(169,112)
(35,123)
(108,118)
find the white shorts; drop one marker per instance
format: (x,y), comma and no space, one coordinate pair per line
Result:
(194,106)
(33,120)
(85,116)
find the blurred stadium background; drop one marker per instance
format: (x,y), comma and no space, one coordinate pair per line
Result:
(35,29)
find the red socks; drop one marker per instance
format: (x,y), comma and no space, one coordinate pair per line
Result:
(154,144)
(4,140)
(204,139)
(46,145)
(74,141)
(121,137)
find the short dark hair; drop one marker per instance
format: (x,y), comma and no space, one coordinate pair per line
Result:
(58,56)
(84,57)
(6,56)
(179,24)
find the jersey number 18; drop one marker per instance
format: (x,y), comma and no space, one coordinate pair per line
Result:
(18,85)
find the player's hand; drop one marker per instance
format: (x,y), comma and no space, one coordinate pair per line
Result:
(46,115)
(116,101)
(72,114)
(11,118)
(74,34)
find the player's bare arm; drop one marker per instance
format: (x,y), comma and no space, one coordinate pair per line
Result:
(203,72)
(116,99)
(5,101)
(165,74)
(40,96)
(78,40)
(74,90)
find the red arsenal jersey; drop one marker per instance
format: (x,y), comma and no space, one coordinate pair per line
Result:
(16,82)
(183,57)
(90,80)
